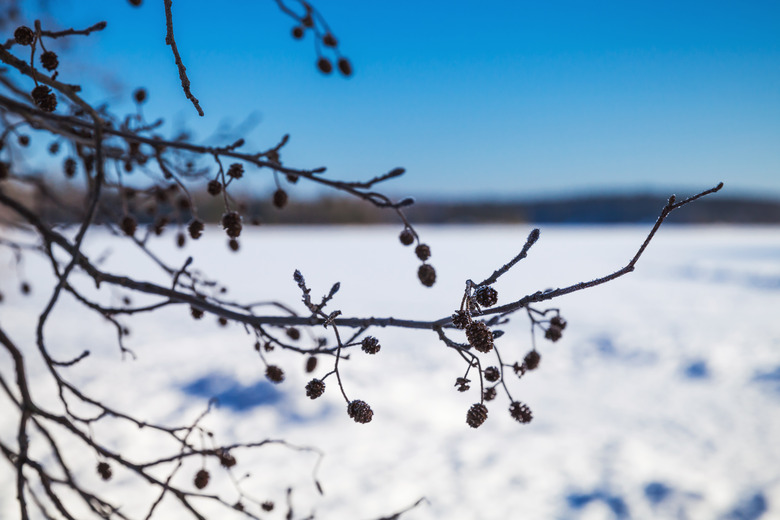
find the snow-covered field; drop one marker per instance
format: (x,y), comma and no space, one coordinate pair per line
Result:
(662,400)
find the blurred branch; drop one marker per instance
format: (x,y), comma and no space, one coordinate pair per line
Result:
(169,40)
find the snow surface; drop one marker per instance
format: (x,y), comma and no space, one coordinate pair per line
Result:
(662,400)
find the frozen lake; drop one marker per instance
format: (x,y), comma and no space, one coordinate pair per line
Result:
(662,399)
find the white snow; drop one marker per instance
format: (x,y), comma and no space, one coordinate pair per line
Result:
(662,399)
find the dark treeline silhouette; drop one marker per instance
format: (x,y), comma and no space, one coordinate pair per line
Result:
(598,209)
(586,209)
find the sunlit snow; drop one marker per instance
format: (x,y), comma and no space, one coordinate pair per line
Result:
(662,399)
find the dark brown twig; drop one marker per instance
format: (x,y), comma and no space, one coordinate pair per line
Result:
(169,40)
(73,32)
(530,241)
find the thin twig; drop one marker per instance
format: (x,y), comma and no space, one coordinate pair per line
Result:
(72,32)
(169,40)
(532,238)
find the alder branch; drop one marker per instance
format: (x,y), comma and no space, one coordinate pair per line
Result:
(105,147)
(169,40)
(74,32)
(532,238)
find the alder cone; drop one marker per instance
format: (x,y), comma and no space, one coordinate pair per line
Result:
(280,198)
(345,67)
(202,479)
(231,222)
(274,374)
(553,333)
(423,252)
(370,345)
(128,225)
(486,296)
(427,275)
(480,336)
(520,412)
(195,228)
(476,415)
(462,384)
(236,171)
(492,374)
(104,470)
(360,411)
(226,459)
(460,320)
(214,187)
(532,359)
(69,167)
(315,388)
(44,98)
(24,35)
(406,237)
(325,66)
(49,60)
(557,321)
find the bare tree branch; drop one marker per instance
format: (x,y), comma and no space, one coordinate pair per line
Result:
(102,147)
(169,40)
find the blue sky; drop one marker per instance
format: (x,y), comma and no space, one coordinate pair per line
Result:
(510,99)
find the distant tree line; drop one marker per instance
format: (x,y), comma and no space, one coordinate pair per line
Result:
(590,209)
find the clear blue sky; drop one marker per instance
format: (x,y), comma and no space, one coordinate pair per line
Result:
(474,99)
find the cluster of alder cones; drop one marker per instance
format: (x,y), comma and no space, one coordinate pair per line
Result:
(42,95)
(426,273)
(481,338)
